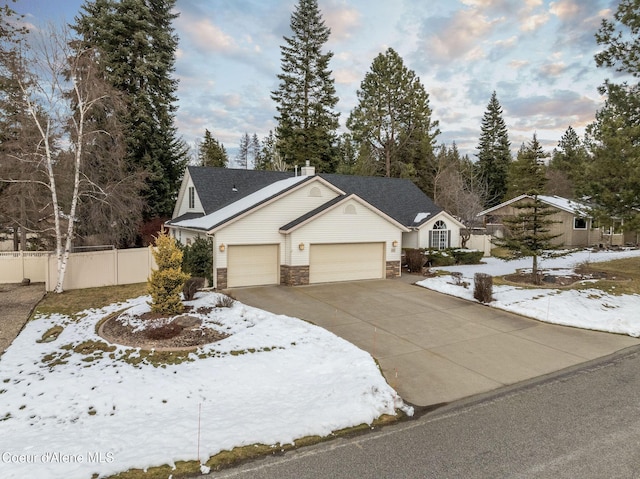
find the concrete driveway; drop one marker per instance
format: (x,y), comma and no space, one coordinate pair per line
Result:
(434,348)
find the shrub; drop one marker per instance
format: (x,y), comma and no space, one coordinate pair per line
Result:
(483,287)
(165,284)
(437,257)
(197,259)
(191,286)
(467,256)
(225,301)
(415,259)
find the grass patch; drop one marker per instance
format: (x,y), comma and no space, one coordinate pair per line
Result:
(74,301)
(51,334)
(239,455)
(623,276)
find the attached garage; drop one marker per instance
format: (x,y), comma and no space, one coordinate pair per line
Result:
(252,265)
(346,262)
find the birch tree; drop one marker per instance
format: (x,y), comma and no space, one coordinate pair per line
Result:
(60,92)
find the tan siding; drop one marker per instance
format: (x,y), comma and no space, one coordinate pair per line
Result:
(262,226)
(337,227)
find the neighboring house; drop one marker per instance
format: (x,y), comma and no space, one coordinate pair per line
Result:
(573,224)
(273,227)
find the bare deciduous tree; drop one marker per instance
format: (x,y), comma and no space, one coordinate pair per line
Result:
(77,160)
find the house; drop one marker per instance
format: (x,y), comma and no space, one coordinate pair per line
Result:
(573,224)
(272,227)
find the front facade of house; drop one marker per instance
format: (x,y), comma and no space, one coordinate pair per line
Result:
(571,222)
(276,228)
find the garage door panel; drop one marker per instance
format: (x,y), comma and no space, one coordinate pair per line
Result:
(252,265)
(346,262)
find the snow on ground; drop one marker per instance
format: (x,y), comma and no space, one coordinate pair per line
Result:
(105,415)
(587,308)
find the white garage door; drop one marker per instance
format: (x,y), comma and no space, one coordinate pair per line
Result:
(346,262)
(252,265)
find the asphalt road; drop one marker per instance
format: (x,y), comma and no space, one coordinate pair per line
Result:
(583,423)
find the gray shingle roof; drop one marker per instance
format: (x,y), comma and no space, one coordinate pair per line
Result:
(399,198)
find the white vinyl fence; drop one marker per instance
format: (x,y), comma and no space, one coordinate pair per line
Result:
(84,270)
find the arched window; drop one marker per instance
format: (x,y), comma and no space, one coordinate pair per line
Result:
(350,210)
(439,236)
(315,191)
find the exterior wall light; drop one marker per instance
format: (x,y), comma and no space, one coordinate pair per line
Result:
(221,248)
(301,246)
(395,243)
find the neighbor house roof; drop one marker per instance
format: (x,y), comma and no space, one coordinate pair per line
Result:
(570,206)
(225,193)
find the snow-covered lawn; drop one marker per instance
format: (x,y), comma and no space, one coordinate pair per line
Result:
(273,380)
(586,308)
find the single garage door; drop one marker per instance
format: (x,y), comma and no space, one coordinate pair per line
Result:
(346,262)
(252,265)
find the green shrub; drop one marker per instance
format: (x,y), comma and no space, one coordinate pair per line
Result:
(467,256)
(165,284)
(197,259)
(440,257)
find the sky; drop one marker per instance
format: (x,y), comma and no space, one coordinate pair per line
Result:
(536,54)
(219,399)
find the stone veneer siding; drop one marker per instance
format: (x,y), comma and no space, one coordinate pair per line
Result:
(294,275)
(221,278)
(393,269)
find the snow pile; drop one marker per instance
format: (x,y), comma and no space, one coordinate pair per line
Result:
(586,308)
(274,379)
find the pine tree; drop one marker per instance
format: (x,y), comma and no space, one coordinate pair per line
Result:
(392,120)
(242,158)
(306,95)
(494,153)
(137,48)
(612,173)
(254,151)
(568,160)
(529,232)
(211,152)
(527,174)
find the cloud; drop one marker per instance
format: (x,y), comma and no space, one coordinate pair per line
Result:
(342,20)
(534,22)
(548,112)
(457,37)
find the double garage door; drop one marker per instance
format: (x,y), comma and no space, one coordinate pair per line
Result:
(256,265)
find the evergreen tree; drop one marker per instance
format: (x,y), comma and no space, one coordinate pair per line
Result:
(242,158)
(306,94)
(612,173)
(529,232)
(254,150)
(568,159)
(211,152)
(137,48)
(494,153)
(527,174)
(392,120)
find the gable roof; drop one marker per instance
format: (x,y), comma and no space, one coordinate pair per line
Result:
(331,204)
(241,205)
(564,204)
(222,188)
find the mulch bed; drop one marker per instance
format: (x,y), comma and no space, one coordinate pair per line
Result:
(176,333)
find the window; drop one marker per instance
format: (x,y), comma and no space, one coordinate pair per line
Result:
(579,223)
(439,236)
(349,210)
(192,197)
(315,191)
